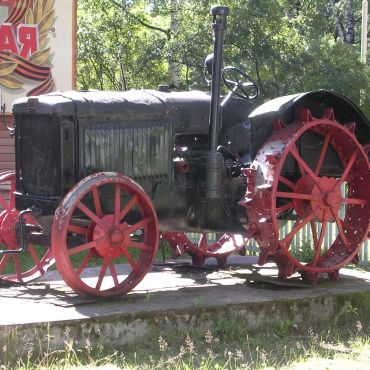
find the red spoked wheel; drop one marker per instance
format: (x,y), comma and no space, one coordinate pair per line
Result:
(326,192)
(105,235)
(226,245)
(27,265)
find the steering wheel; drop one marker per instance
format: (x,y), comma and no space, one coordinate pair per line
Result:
(239,83)
(207,68)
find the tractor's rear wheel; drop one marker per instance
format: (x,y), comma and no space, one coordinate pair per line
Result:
(30,264)
(327,197)
(105,235)
(220,249)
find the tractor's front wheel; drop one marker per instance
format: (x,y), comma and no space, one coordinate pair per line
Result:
(29,264)
(105,235)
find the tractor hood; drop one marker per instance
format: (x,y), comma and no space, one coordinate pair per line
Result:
(187,111)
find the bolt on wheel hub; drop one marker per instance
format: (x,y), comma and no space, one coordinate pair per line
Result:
(330,199)
(116,237)
(110,239)
(323,199)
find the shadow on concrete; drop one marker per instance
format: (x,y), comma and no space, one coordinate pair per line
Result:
(173,285)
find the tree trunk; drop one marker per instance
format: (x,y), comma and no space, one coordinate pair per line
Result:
(344,23)
(174,67)
(349,21)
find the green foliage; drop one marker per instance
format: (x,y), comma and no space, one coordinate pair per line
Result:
(287,46)
(288,347)
(304,251)
(114,52)
(335,66)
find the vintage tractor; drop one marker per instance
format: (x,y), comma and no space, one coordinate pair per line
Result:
(101,175)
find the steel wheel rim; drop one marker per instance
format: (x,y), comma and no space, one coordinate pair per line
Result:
(326,262)
(8,218)
(111,246)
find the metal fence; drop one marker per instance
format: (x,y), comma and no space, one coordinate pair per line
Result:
(303,238)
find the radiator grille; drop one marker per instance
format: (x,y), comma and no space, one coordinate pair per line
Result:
(141,151)
(38,155)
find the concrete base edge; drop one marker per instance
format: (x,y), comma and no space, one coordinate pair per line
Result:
(123,329)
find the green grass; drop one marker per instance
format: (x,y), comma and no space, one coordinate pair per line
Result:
(344,343)
(25,259)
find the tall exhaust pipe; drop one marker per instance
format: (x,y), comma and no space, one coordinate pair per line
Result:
(219,25)
(212,204)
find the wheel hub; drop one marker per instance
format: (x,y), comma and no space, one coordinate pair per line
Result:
(111,239)
(116,236)
(329,199)
(325,199)
(8,230)
(9,227)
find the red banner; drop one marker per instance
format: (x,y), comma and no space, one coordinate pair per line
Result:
(23,39)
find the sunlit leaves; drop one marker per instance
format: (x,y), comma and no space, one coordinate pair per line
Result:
(287,46)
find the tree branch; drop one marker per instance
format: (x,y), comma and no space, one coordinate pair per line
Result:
(167,32)
(260,83)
